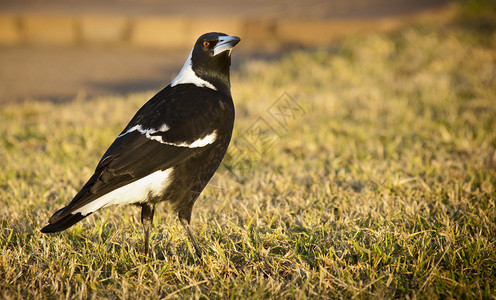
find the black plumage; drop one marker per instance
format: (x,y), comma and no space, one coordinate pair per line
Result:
(172,146)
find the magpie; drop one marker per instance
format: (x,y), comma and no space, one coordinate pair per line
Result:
(170,149)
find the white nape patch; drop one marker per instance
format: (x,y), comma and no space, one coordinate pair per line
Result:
(134,192)
(187,75)
(201,142)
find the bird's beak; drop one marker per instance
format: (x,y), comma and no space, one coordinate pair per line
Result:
(226,43)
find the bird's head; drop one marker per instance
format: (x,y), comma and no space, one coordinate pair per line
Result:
(209,61)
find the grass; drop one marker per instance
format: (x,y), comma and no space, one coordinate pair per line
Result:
(377,180)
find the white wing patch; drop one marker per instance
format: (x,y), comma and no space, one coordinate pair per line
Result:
(134,192)
(201,142)
(187,75)
(163,128)
(148,132)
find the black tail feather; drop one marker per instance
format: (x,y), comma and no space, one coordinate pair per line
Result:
(63,223)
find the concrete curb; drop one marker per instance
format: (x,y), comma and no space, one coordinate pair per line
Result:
(177,32)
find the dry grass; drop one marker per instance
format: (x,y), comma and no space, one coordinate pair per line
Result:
(380,183)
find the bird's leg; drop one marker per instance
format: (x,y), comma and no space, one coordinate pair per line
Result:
(147,211)
(185,222)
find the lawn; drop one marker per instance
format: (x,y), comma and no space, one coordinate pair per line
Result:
(366,169)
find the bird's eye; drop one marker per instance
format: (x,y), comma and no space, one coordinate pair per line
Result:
(206,44)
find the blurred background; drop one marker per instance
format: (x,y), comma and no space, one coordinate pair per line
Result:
(60,50)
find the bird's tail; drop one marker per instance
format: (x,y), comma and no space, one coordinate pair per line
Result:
(62,220)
